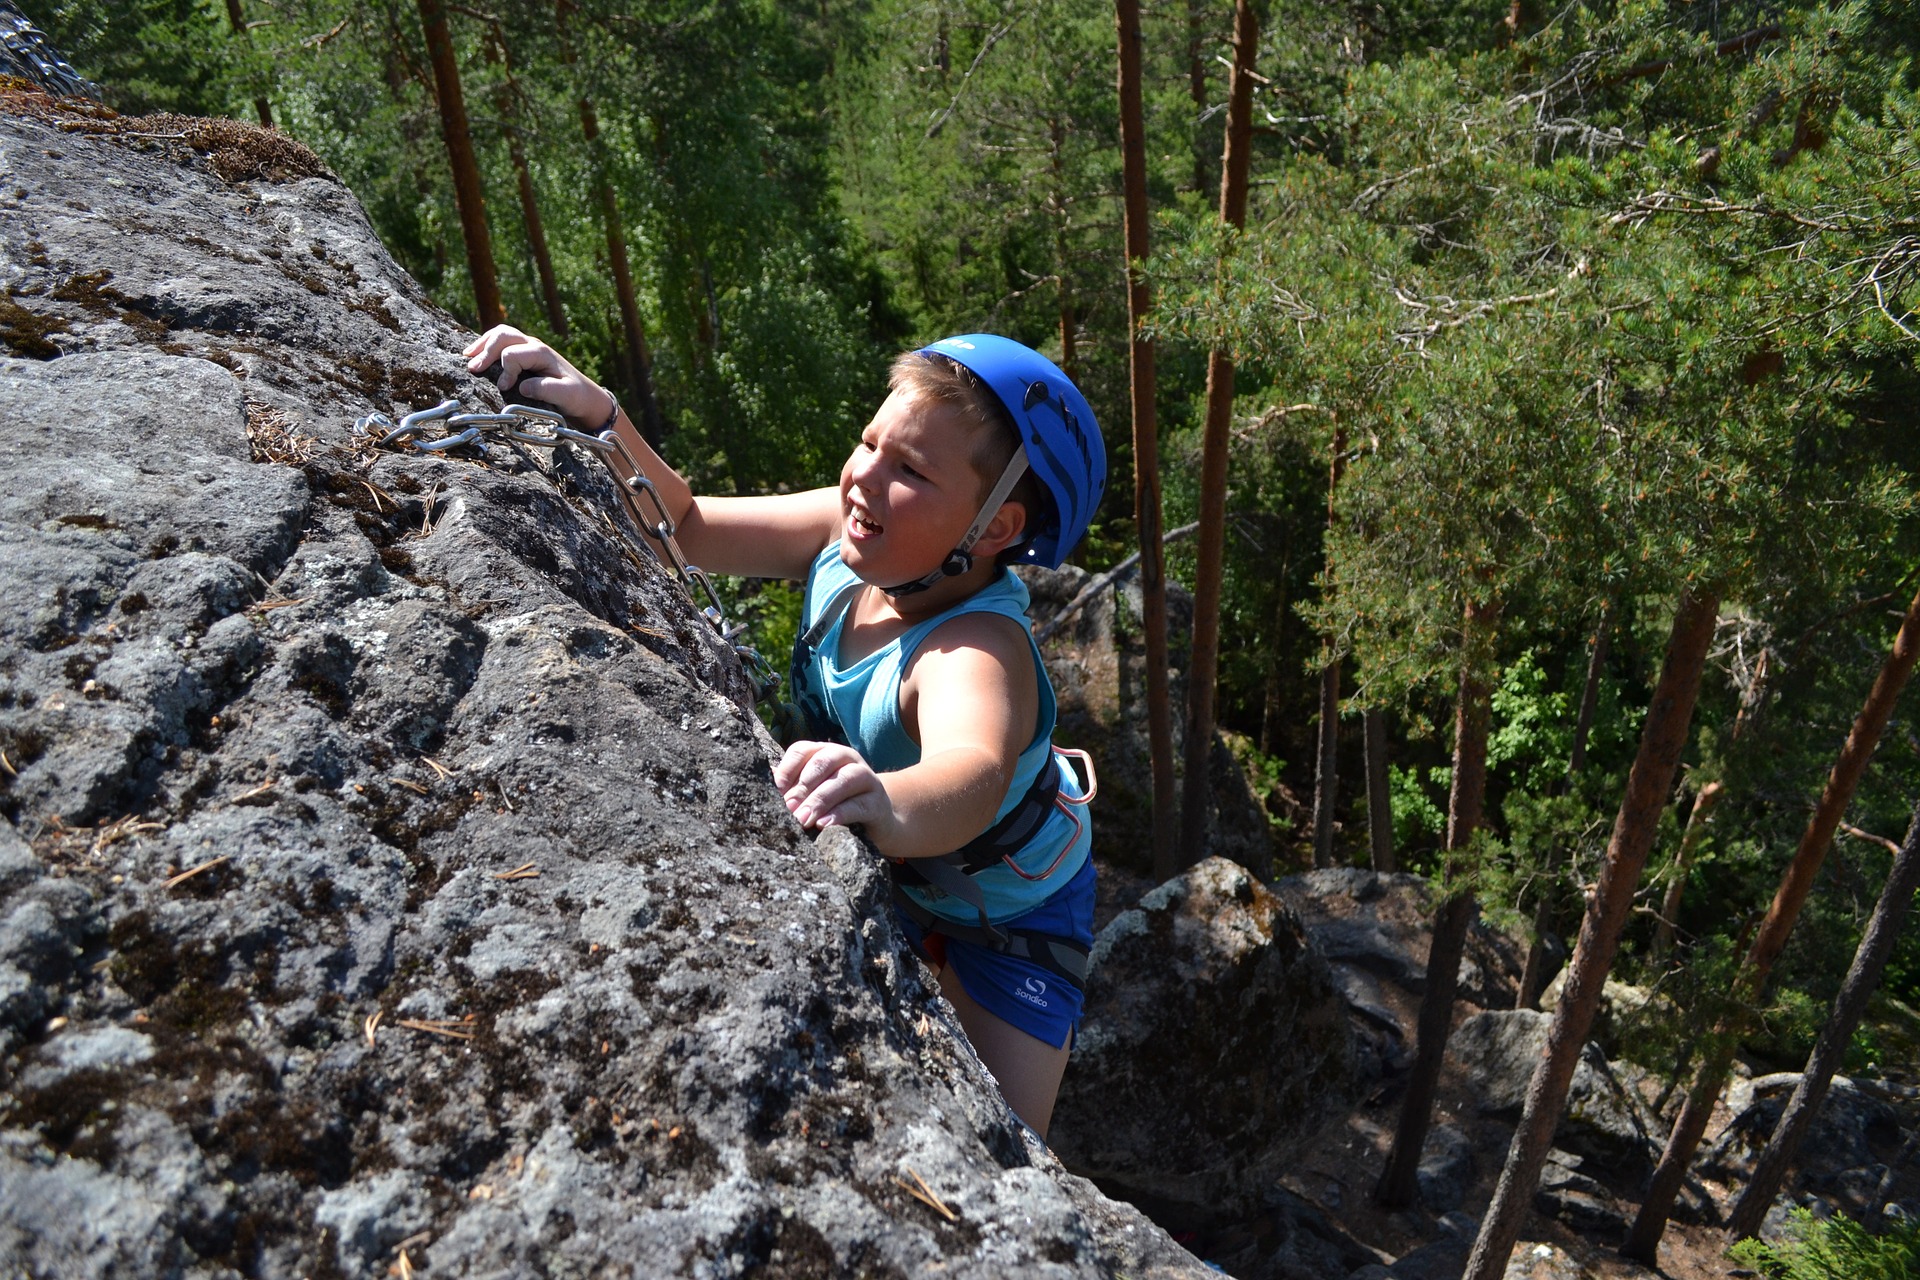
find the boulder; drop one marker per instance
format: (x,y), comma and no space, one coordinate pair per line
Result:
(1573,1197)
(1534,1260)
(1446,1168)
(1375,931)
(1496,1052)
(1382,925)
(1621,1003)
(392,877)
(1290,1239)
(1214,1041)
(1839,1158)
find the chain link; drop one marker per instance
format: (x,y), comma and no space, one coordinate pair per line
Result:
(547,429)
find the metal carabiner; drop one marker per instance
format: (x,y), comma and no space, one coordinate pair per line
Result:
(472,435)
(417,421)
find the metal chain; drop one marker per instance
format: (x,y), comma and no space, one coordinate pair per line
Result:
(548,429)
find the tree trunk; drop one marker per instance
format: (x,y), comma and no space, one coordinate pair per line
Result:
(467,196)
(1533,972)
(1590,690)
(1643,1240)
(1326,763)
(1057,211)
(1399,1182)
(1197,15)
(238,19)
(1273,705)
(1869,962)
(1203,666)
(1146,442)
(1326,784)
(529,205)
(1662,738)
(1703,806)
(638,360)
(1379,800)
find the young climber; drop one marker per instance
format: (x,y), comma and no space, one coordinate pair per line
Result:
(930,717)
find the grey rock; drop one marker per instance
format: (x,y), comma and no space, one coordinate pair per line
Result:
(1293,1240)
(1535,1260)
(1209,982)
(1446,1168)
(1381,925)
(287,717)
(1839,1139)
(1497,1051)
(47,923)
(1567,1193)
(1442,1259)
(1375,931)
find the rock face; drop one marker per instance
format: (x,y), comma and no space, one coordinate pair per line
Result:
(390,867)
(1213,1041)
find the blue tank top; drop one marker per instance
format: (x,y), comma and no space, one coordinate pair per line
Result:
(864,698)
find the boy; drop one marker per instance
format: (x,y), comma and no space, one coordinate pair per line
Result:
(931,717)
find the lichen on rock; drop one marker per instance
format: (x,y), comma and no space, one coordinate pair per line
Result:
(391,863)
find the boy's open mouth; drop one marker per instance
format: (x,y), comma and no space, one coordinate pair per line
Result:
(862,524)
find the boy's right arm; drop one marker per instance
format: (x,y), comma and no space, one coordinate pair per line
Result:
(776,536)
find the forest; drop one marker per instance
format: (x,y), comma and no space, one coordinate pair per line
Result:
(1541,381)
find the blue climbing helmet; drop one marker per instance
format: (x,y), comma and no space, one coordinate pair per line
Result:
(1059,442)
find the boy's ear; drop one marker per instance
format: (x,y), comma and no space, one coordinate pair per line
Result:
(1006,529)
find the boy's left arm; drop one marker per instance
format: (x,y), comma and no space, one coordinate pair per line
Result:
(970,697)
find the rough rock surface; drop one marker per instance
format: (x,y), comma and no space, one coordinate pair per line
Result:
(1213,1041)
(390,866)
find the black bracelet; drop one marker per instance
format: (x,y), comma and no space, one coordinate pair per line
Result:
(613,413)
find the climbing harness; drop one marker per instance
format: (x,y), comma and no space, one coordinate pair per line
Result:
(953,874)
(547,429)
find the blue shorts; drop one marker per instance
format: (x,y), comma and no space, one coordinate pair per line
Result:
(1028,996)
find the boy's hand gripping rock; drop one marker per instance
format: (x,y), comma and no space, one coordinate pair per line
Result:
(826,784)
(532,370)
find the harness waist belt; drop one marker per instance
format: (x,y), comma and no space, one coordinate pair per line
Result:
(1061,956)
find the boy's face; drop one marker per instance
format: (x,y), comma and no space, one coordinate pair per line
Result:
(909,491)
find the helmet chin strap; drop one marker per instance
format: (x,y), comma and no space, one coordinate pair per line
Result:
(960,559)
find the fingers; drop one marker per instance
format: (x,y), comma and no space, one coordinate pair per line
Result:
(537,371)
(825,785)
(537,386)
(787,772)
(484,350)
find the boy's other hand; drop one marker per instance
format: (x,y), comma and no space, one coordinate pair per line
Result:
(829,785)
(537,372)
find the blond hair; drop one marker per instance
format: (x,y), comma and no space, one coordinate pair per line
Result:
(953,386)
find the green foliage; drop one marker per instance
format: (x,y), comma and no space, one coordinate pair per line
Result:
(1264,775)
(157,55)
(1836,1248)
(1419,821)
